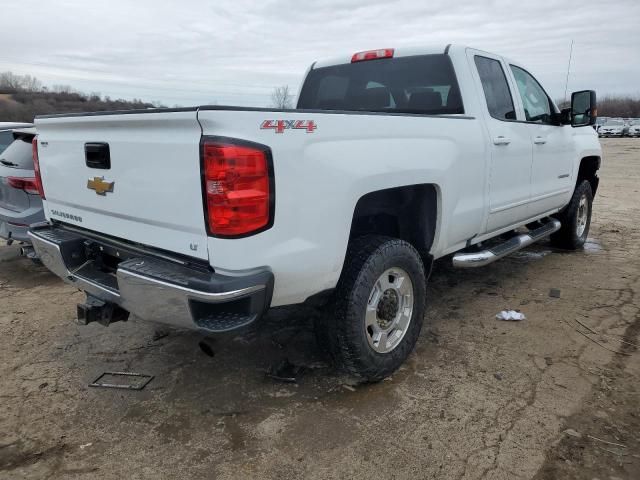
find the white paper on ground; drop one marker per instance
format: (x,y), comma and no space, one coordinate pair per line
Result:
(510,316)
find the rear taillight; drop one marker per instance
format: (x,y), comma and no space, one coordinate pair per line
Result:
(36,167)
(372,55)
(29,185)
(238,187)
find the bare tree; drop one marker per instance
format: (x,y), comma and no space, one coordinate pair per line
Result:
(619,106)
(27,83)
(11,81)
(27,98)
(62,88)
(626,106)
(31,84)
(282,97)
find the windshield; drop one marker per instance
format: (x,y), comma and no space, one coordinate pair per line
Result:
(614,123)
(419,84)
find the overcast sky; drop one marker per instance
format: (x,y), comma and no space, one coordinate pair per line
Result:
(234,52)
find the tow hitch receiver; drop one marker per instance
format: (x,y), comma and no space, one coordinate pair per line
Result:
(95,310)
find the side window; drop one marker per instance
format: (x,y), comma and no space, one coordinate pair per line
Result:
(496,88)
(537,106)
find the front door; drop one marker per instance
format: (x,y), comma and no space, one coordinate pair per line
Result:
(551,172)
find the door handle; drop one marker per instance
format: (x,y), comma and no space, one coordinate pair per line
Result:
(97,155)
(501,140)
(539,140)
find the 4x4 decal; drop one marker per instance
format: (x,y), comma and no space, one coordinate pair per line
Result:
(281,125)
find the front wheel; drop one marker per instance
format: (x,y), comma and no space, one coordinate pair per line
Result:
(379,307)
(575,219)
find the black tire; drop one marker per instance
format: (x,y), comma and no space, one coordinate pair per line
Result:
(568,237)
(343,328)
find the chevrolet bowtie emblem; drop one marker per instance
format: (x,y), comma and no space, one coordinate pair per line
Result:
(99,185)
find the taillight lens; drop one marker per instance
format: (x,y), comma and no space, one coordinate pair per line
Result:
(29,184)
(36,167)
(237,188)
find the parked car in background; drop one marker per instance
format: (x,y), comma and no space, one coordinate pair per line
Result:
(6,132)
(600,121)
(613,128)
(634,128)
(20,202)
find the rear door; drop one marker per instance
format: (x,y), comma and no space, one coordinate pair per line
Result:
(510,142)
(552,168)
(133,176)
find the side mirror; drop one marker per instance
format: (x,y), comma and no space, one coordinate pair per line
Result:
(583,108)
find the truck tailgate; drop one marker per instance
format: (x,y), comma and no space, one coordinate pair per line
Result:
(150,193)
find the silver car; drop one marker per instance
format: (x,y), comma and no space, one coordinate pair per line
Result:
(613,128)
(634,128)
(20,203)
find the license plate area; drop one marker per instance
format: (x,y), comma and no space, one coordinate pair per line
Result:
(100,264)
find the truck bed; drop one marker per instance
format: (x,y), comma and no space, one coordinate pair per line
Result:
(319,172)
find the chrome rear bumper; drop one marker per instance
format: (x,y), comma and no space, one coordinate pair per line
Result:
(154,288)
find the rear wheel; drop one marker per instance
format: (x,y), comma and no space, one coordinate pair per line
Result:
(575,219)
(379,307)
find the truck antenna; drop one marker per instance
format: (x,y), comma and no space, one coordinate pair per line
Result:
(566,83)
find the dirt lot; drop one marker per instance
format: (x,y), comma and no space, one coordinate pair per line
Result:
(479,398)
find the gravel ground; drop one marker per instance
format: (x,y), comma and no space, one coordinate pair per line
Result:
(479,398)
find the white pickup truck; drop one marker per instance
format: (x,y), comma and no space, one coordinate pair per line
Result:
(206,217)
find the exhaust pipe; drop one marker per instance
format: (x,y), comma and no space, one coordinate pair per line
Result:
(28,251)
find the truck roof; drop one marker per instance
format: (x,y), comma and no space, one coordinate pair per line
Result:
(406,51)
(398,52)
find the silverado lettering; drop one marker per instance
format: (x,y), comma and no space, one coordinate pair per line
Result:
(66,215)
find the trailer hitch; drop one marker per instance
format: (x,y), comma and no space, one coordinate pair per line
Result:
(96,310)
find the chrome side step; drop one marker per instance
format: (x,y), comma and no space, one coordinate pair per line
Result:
(485,257)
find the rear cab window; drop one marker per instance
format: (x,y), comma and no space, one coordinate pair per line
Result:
(420,84)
